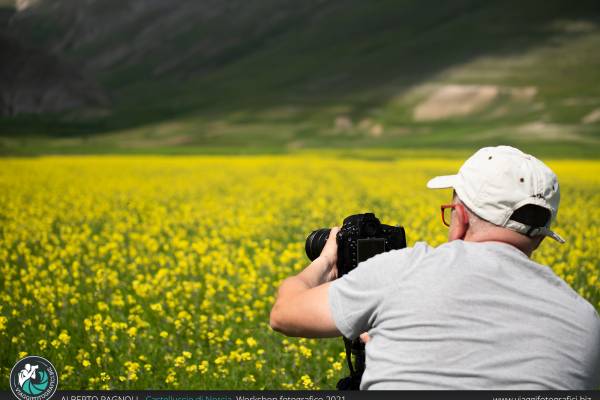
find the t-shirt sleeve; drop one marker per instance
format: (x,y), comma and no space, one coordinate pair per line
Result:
(355,297)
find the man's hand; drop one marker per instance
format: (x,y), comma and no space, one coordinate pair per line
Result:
(364,337)
(329,253)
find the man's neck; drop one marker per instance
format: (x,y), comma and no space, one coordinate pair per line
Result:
(514,239)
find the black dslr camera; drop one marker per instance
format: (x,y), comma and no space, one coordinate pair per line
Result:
(361,237)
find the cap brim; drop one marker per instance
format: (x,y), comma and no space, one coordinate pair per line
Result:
(542,231)
(556,237)
(443,182)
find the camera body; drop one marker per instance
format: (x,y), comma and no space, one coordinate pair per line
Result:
(361,237)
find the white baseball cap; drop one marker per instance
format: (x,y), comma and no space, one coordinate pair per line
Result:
(496,181)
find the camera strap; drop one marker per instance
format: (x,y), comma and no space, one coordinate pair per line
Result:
(357,367)
(348,346)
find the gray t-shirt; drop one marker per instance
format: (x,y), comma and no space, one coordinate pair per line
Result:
(467,315)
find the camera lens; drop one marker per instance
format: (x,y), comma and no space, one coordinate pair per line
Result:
(315,243)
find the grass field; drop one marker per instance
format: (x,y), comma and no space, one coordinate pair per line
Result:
(159,272)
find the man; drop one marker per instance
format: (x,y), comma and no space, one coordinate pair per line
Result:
(473,313)
(27,373)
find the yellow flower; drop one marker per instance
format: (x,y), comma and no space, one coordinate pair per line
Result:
(305,351)
(171,377)
(220,360)
(306,382)
(156,307)
(179,361)
(191,368)
(64,337)
(67,371)
(203,367)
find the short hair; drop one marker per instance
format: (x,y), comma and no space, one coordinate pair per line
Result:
(473,218)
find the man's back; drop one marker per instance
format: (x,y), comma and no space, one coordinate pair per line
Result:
(467,315)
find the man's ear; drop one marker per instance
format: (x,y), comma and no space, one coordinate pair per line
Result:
(462,219)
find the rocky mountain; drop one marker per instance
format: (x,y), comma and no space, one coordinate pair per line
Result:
(34,80)
(158,38)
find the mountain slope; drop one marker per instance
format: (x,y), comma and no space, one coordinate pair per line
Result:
(234,73)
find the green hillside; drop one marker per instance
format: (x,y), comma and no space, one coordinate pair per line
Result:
(281,76)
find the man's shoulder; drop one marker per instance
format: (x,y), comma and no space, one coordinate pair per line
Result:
(412,252)
(397,262)
(588,314)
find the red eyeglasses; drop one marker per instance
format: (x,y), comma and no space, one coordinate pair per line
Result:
(446,216)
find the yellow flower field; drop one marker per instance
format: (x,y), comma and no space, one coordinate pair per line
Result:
(159,272)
